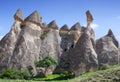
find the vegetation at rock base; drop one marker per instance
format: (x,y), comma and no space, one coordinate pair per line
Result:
(46,63)
(111,74)
(104,67)
(15,74)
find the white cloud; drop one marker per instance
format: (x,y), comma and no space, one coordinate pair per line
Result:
(1,37)
(94,26)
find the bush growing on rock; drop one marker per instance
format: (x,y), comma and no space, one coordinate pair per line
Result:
(46,63)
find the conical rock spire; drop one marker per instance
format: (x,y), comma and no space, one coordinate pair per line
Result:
(107,49)
(64,28)
(110,34)
(84,56)
(76,26)
(34,18)
(53,25)
(18,15)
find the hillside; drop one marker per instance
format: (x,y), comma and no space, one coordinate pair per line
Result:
(112,74)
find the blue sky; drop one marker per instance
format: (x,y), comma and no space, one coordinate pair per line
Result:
(106,13)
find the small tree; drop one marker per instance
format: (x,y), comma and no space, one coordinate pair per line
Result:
(46,63)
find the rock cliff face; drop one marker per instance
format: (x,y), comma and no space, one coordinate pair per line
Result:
(30,40)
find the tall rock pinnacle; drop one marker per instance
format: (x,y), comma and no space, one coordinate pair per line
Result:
(18,15)
(89,18)
(84,56)
(34,18)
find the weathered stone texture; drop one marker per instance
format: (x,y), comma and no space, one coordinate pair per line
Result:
(106,48)
(83,58)
(76,27)
(31,40)
(64,28)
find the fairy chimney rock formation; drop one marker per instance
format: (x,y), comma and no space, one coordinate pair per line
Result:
(76,27)
(107,49)
(110,34)
(34,18)
(89,18)
(83,57)
(53,25)
(18,15)
(31,40)
(64,28)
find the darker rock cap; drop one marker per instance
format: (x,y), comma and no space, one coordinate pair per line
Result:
(53,25)
(76,27)
(34,18)
(64,28)
(110,33)
(18,15)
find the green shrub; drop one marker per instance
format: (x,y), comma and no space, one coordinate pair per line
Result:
(25,74)
(46,63)
(15,74)
(67,74)
(10,74)
(43,35)
(104,66)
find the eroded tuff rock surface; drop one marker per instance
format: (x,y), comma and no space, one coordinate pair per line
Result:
(83,57)
(53,25)
(107,49)
(64,28)
(76,27)
(7,44)
(74,48)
